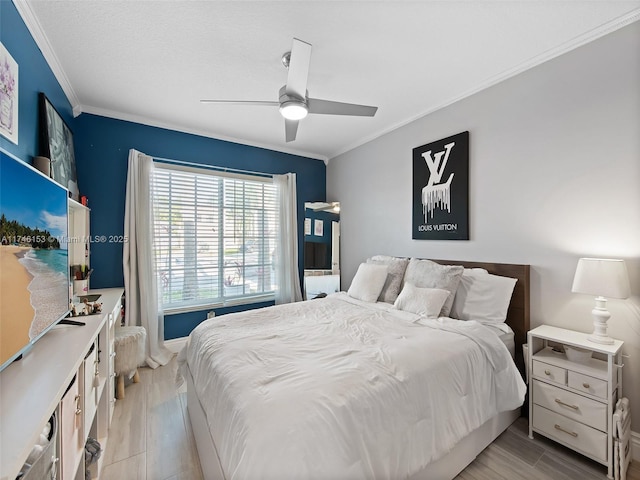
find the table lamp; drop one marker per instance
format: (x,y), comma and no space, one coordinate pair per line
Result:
(604,278)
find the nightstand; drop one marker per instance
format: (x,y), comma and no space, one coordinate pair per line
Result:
(572,403)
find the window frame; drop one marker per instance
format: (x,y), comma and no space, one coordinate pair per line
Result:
(221,175)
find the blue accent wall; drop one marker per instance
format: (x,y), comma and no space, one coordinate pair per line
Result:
(102,146)
(34,75)
(175,326)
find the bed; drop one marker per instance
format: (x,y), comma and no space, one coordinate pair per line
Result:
(344,388)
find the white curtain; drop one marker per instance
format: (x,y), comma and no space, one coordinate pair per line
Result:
(140,282)
(287,273)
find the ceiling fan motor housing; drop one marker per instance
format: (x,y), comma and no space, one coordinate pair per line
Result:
(292,106)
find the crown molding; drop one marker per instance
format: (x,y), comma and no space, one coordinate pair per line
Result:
(202,133)
(33,25)
(590,36)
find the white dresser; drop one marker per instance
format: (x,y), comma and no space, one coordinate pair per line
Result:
(570,402)
(69,372)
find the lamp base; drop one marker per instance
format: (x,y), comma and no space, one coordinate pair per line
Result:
(600,317)
(602,339)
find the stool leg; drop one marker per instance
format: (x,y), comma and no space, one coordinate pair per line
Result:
(120,387)
(136,377)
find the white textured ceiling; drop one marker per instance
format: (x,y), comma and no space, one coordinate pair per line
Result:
(152,61)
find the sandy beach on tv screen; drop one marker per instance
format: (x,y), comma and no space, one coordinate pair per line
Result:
(15,301)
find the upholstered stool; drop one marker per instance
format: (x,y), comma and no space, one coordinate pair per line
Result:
(130,348)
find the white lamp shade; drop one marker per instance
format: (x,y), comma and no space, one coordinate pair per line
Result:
(602,277)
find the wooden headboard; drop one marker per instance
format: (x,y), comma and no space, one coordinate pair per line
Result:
(518,315)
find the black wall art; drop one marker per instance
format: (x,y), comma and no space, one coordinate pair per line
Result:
(441,189)
(56,144)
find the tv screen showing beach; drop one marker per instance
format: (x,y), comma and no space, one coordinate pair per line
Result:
(34,265)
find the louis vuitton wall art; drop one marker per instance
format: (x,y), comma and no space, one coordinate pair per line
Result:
(441,189)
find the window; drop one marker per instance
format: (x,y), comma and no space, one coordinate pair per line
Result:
(215,237)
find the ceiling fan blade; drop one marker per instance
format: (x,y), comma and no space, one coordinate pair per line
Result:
(243,102)
(328,107)
(298,69)
(291,128)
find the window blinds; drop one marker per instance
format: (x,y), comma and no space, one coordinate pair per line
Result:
(215,237)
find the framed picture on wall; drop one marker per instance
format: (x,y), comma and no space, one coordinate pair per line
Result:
(56,143)
(307,226)
(318,228)
(8,96)
(441,189)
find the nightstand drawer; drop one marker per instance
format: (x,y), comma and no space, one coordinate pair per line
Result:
(587,384)
(585,439)
(549,372)
(571,405)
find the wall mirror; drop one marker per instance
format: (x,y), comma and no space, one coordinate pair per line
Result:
(321,248)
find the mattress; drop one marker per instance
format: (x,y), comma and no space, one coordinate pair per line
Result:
(342,389)
(506,336)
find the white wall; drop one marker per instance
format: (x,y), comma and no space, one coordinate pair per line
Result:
(554,175)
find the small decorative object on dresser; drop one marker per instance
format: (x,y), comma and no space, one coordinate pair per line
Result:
(603,278)
(572,402)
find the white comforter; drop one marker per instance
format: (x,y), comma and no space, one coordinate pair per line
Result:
(336,388)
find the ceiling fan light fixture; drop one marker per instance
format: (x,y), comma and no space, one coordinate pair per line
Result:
(293,110)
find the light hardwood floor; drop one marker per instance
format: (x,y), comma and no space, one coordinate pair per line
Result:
(151,439)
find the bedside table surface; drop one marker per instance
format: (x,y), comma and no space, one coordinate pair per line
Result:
(577,339)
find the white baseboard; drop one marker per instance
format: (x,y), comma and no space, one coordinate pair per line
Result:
(635,446)
(176,344)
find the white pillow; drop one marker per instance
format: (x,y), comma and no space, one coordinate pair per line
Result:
(368,282)
(421,301)
(483,297)
(396,267)
(425,273)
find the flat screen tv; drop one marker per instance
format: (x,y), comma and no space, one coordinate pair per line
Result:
(34,264)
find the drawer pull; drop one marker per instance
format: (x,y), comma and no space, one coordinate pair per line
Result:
(558,427)
(560,402)
(547,372)
(586,385)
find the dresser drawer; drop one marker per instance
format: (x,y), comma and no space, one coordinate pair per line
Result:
(584,439)
(587,384)
(571,405)
(549,372)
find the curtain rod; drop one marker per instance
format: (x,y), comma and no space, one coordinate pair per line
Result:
(210,167)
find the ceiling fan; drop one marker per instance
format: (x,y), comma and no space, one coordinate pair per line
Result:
(293,98)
